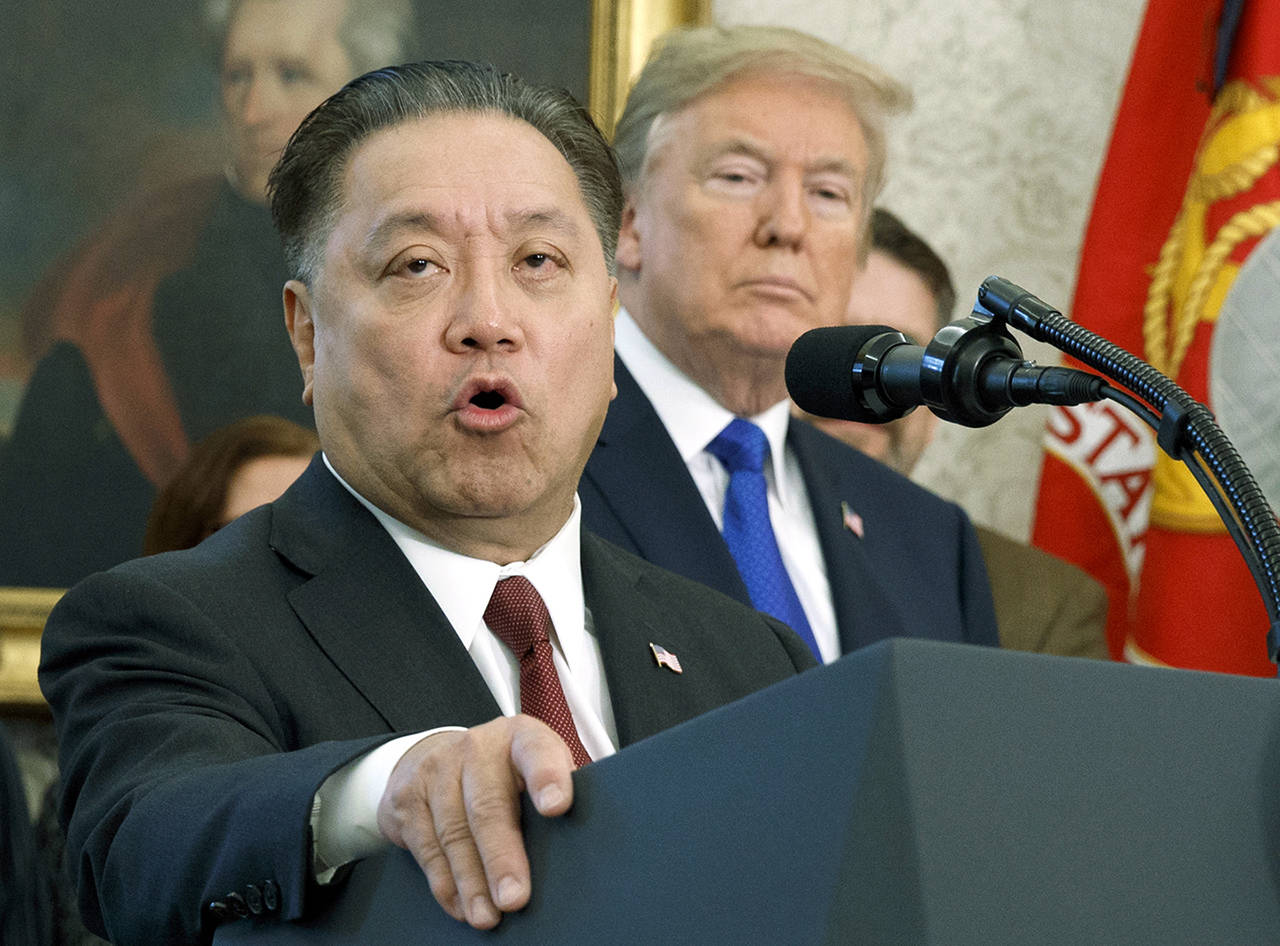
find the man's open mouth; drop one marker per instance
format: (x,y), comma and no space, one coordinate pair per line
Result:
(488,400)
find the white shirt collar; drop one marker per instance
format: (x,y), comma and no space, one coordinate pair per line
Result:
(462,585)
(692,417)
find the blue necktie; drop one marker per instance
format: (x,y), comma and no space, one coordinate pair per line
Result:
(742,448)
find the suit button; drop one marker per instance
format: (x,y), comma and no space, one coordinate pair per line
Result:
(221,910)
(270,895)
(253,897)
(238,904)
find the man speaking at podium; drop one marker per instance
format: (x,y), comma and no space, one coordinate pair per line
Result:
(241,720)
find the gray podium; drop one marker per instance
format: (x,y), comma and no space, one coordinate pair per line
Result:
(913,792)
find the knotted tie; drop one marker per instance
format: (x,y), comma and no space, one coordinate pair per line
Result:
(742,447)
(518,615)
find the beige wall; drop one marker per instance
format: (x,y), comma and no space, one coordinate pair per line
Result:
(996,166)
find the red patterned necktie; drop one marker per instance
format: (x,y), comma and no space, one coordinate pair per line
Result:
(518,615)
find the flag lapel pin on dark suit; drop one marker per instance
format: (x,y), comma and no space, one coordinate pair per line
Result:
(852,521)
(664,658)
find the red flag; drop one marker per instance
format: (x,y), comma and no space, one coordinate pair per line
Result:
(1186,192)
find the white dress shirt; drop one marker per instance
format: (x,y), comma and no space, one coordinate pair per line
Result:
(344,820)
(693,419)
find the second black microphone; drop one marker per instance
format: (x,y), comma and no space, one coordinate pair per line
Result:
(971,373)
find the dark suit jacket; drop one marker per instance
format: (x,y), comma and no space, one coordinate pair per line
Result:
(1044,604)
(916,571)
(201,697)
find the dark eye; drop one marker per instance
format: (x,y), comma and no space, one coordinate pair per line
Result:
(291,75)
(735,178)
(542,265)
(412,267)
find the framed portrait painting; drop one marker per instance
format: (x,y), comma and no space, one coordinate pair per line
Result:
(140,275)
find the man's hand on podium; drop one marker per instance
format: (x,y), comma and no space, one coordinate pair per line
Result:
(453,802)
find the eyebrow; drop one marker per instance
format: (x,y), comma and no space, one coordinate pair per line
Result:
(518,221)
(384,229)
(738,146)
(750,149)
(550,216)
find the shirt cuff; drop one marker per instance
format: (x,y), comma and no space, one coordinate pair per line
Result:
(344,812)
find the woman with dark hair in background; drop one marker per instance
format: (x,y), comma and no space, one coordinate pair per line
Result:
(229,472)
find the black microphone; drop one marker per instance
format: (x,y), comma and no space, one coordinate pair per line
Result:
(971,373)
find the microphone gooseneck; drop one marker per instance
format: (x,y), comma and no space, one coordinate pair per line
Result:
(1185,430)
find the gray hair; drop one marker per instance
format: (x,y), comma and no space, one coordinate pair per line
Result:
(374,33)
(688,62)
(305,187)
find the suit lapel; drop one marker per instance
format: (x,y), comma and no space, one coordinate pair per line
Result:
(864,613)
(368,610)
(642,479)
(666,522)
(627,617)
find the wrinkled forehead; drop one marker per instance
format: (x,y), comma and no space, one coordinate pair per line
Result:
(283,29)
(460,176)
(812,95)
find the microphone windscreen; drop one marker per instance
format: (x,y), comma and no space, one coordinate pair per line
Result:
(820,370)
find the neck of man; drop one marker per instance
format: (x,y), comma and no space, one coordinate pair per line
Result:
(489,534)
(492,536)
(744,381)
(746,387)
(251,192)
(501,539)
(489,545)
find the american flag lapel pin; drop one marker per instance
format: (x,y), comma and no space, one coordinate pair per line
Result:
(852,521)
(664,658)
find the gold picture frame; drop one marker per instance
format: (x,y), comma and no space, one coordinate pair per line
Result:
(22,615)
(621,33)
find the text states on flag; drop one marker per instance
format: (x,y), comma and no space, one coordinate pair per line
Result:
(1113,451)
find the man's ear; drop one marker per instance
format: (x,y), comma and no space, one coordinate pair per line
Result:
(302,331)
(628,252)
